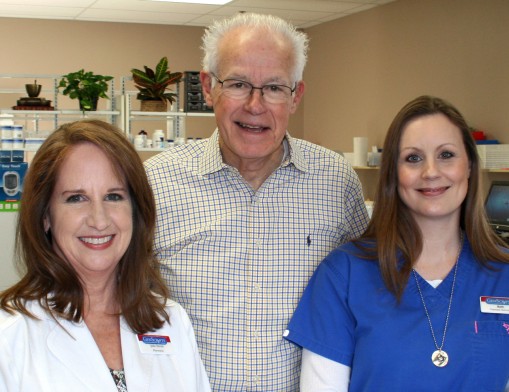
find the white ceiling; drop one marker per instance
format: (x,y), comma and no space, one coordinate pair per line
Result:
(302,13)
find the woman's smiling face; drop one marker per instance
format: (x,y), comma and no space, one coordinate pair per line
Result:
(433,168)
(90,213)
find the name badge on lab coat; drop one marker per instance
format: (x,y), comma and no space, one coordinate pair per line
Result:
(498,305)
(155,344)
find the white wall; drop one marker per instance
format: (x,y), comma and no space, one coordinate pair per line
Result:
(8,275)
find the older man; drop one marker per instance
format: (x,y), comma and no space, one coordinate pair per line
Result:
(245,216)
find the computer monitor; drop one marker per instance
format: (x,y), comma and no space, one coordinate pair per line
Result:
(497,206)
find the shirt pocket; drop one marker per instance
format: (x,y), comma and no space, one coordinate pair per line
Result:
(490,343)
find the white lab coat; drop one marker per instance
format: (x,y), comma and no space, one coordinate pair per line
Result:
(40,355)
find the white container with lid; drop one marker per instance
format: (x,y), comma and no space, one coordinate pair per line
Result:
(7,144)
(18,144)
(158,138)
(139,141)
(33,143)
(6,119)
(17,131)
(6,132)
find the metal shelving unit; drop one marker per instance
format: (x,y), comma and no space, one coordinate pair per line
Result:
(174,120)
(35,119)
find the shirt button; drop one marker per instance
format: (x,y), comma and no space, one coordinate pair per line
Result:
(257,287)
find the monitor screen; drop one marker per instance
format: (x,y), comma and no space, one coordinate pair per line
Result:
(497,205)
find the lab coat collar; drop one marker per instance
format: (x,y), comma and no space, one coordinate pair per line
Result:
(74,346)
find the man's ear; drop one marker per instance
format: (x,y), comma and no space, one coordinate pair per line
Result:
(297,96)
(206,86)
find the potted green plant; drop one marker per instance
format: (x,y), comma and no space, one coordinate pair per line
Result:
(86,87)
(153,86)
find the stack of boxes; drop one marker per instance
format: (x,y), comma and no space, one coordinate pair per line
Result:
(494,156)
(194,101)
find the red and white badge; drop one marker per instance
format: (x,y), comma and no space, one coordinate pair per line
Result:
(498,305)
(155,344)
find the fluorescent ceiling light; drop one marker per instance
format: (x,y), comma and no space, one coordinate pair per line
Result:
(216,2)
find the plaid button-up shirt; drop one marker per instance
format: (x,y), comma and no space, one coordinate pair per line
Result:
(238,259)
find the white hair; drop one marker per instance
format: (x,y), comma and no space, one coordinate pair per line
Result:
(214,33)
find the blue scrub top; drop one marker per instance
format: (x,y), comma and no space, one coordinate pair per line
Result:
(347,315)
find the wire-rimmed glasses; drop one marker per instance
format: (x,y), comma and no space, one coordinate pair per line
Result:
(240,89)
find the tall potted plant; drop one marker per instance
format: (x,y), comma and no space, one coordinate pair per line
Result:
(153,85)
(86,87)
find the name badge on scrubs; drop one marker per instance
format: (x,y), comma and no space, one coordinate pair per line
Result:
(498,305)
(155,344)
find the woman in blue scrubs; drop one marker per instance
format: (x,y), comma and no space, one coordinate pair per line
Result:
(421,301)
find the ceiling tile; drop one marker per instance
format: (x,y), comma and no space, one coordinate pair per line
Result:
(137,16)
(303,13)
(50,3)
(34,11)
(155,6)
(301,5)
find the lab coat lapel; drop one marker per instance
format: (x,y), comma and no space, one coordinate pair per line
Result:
(74,346)
(138,367)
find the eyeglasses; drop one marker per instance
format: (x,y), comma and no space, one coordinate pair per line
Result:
(240,89)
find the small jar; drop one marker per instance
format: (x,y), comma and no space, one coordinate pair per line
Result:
(158,139)
(143,134)
(139,141)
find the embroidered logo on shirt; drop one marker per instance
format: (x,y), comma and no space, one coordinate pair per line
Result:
(506,326)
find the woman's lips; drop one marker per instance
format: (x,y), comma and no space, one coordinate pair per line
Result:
(433,191)
(94,242)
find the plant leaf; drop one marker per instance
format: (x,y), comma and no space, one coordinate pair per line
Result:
(161,69)
(139,76)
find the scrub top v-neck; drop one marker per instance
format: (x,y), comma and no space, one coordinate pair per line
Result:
(346,314)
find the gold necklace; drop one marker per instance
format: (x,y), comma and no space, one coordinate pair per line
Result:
(440,358)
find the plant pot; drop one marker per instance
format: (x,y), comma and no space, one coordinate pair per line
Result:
(93,107)
(153,106)
(33,90)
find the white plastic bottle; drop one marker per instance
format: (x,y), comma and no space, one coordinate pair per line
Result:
(139,142)
(158,138)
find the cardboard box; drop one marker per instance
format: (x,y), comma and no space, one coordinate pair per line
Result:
(12,176)
(494,156)
(5,156)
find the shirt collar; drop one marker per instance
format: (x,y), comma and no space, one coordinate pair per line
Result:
(295,155)
(212,160)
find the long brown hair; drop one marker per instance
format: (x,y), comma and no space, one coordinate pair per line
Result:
(392,227)
(51,280)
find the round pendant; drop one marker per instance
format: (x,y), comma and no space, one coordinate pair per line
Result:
(439,358)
